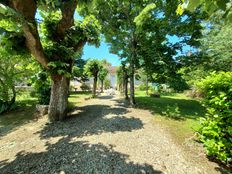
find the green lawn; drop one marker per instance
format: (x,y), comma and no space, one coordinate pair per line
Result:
(185,124)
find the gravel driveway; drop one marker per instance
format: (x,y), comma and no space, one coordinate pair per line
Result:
(101,137)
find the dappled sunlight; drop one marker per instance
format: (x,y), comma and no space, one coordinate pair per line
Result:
(72,157)
(93,120)
(12,120)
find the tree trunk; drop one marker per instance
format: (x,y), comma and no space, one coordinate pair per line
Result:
(132,72)
(94,86)
(126,88)
(146,85)
(59,98)
(102,85)
(132,85)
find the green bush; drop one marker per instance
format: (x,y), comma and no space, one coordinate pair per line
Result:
(172,112)
(216,129)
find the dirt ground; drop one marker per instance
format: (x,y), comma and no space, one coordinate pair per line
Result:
(102,136)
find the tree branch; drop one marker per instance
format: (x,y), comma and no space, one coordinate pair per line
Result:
(67,9)
(28,9)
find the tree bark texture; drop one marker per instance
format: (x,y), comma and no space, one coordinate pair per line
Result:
(94,86)
(132,71)
(132,85)
(59,98)
(27,8)
(126,88)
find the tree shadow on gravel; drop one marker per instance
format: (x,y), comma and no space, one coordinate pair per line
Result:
(20,116)
(93,120)
(79,157)
(69,155)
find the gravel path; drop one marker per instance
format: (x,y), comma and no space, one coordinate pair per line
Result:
(101,137)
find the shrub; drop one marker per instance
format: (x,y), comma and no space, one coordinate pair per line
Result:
(42,88)
(216,129)
(172,112)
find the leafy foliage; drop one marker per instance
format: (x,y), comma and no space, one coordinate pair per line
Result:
(53,39)
(42,86)
(216,44)
(210,7)
(216,130)
(92,67)
(78,70)
(172,111)
(14,69)
(87,30)
(103,72)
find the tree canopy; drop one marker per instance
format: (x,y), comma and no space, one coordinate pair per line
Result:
(47,29)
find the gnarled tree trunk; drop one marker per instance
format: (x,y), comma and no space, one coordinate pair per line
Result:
(59,98)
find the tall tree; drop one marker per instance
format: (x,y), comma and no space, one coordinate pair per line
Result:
(158,55)
(103,72)
(53,40)
(120,30)
(92,68)
(138,32)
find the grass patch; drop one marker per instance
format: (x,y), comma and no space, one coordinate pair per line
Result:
(189,111)
(76,97)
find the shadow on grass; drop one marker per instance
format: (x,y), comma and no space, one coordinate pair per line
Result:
(187,108)
(70,155)
(20,115)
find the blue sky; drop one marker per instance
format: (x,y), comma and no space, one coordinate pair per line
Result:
(103,51)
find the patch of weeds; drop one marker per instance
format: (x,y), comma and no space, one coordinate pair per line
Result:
(173,111)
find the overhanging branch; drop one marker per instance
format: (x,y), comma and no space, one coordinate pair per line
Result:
(28,9)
